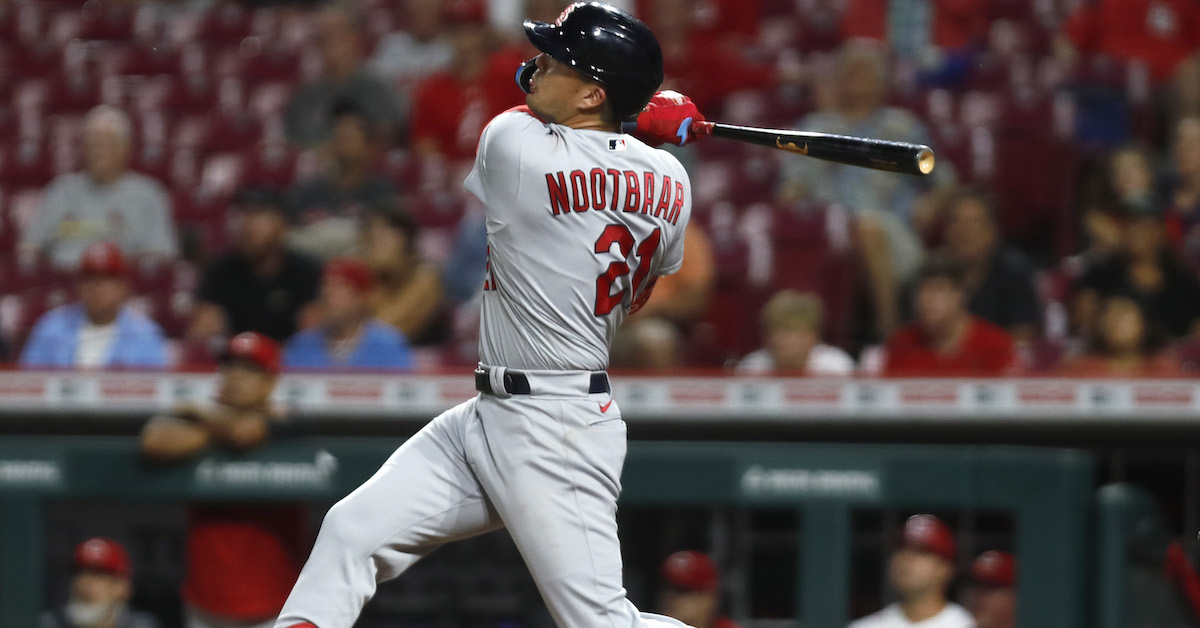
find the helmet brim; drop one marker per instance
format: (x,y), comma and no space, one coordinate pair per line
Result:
(549,39)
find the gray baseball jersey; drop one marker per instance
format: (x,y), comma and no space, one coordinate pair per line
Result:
(578,222)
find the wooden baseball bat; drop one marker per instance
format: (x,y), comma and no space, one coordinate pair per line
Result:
(855,151)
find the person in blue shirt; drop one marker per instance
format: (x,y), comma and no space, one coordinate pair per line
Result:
(100,330)
(348,337)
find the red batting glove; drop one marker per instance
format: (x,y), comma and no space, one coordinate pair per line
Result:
(670,118)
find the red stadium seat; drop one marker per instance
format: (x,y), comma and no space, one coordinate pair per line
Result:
(149,58)
(270,163)
(34,59)
(74,93)
(226,22)
(105,21)
(26,163)
(192,94)
(258,63)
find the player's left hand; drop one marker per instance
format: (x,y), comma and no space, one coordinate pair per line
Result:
(669,118)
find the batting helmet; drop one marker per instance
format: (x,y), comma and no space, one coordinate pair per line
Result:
(605,44)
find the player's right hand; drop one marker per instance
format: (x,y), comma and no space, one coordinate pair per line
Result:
(669,118)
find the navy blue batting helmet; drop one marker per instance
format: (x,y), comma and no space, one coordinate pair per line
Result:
(606,44)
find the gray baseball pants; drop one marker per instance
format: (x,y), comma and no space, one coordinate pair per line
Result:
(546,465)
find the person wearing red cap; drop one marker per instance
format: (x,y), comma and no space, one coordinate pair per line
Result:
(990,593)
(920,573)
(100,590)
(348,337)
(692,590)
(100,330)
(242,559)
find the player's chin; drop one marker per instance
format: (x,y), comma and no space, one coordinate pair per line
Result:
(541,114)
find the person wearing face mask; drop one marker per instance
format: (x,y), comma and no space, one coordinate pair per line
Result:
(100,591)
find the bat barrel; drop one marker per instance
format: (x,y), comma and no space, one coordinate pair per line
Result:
(900,157)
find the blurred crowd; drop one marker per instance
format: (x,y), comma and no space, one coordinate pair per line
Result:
(174,173)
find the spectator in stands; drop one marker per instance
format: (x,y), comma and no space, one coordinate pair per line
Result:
(1163,36)
(348,336)
(1129,183)
(451,107)
(683,297)
(327,206)
(408,289)
(692,590)
(105,202)
(886,205)
(1183,192)
(100,590)
(101,330)
(242,558)
(945,338)
(1147,268)
(1124,341)
(999,279)
(991,594)
(938,39)
(260,285)
(791,325)
(344,76)
(920,572)
(405,57)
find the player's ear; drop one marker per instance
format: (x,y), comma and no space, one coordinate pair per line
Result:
(592,96)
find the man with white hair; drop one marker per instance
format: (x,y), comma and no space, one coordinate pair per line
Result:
(104,202)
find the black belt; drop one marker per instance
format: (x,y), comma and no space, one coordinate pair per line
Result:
(516,383)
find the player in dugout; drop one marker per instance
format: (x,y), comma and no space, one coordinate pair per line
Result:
(919,573)
(991,593)
(242,558)
(100,590)
(692,590)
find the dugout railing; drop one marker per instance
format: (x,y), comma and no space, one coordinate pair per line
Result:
(1047,491)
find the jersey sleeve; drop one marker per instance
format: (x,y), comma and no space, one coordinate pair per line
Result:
(672,259)
(496,178)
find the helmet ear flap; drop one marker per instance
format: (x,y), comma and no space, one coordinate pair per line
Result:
(525,74)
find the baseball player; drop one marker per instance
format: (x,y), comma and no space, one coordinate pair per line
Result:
(100,590)
(692,590)
(580,220)
(991,594)
(920,573)
(242,558)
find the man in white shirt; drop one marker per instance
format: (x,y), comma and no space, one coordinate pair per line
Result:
(920,573)
(105,202)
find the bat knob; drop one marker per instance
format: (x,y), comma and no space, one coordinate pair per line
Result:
(925,160)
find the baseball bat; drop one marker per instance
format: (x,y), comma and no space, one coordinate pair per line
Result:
(855,151)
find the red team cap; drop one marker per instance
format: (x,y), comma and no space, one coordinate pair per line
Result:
(691,571)
(100,554)
(927,533)
(350,270)
(256,348)
(994,568)
(103,259)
